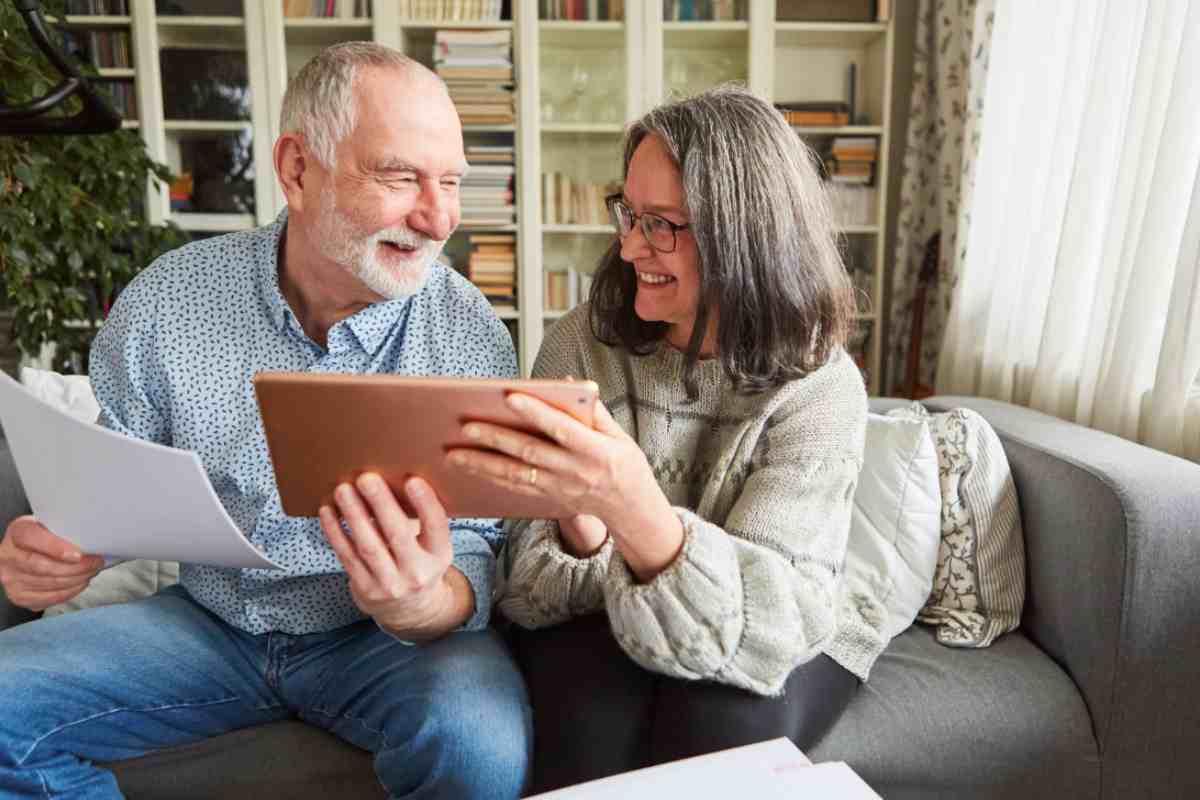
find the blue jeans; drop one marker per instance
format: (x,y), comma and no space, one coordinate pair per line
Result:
(446,719)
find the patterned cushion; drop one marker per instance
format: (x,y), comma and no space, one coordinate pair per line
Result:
(979,585)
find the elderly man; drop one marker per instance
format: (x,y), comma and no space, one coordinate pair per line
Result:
(379,637)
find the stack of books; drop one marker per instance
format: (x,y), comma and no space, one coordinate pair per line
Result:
(478,70)
(124,98)
(566,288)
(490,154)
(486,196)
(118,8)
(492,266)
(597,10)
(851,159)
(820,113)
(450,10)
(704,10)
(181,192)
(101,49)
(557,292)
(853,204)
(569,202)
(344,9)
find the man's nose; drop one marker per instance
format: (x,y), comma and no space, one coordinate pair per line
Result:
(435,213)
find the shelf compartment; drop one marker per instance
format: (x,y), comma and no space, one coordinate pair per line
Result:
(706,36)
(95,20)
(852,35)
(186,126)
(587,128)
(591,35)
(202,32)
(425,24)
(321,33)
(584,230)
(844,130)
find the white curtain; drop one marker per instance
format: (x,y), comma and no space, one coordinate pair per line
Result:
(1079,287)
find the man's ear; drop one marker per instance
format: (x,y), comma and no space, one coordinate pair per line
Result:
(292,161)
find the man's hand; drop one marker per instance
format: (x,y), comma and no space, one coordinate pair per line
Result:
(39,569)
(399,567)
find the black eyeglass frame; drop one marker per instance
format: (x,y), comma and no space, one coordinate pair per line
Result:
(613,200)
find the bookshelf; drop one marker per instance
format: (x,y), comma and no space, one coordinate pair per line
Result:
(578,83)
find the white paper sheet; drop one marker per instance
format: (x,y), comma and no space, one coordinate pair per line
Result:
(115,496)
(764,771)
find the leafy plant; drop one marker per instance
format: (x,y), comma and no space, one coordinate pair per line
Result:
(72,227)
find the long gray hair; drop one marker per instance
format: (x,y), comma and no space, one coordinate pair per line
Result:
(319,102)
(769,261)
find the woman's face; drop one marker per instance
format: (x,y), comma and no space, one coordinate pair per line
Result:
(668,284)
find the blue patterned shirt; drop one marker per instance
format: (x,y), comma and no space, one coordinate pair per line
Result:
(173,364)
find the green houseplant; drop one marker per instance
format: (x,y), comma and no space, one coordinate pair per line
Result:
(72,228)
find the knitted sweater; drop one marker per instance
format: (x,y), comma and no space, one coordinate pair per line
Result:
(763,485)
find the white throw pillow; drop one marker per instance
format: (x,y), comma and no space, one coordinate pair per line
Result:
(126,580)
(894,533)
(70,393)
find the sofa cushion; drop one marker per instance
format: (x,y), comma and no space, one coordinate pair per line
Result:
(279,761)
(894,536)
(939,722)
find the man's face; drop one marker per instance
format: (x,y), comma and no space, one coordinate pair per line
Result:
(387,210)
(392,262)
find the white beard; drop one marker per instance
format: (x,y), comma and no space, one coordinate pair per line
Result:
(340,240)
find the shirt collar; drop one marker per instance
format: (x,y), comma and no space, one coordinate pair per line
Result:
(268,260)
(374,324)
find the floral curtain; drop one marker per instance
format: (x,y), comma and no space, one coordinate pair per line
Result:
(950,61)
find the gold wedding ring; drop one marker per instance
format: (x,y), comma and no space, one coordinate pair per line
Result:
(533,476)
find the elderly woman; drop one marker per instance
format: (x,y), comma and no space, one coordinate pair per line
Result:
(704,519)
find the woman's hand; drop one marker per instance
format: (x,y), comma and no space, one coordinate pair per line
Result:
(599,472)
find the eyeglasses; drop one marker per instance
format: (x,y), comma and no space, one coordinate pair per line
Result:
(660,233)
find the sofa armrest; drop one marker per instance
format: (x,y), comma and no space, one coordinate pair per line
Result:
(1112,543)
(12,505)
(12,494)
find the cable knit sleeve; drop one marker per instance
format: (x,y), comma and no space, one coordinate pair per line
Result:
(747,602)
(542,584)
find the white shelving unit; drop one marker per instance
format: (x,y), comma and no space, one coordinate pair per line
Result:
(578,84)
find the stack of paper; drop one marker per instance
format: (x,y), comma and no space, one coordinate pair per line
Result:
(114,496)
(763,771)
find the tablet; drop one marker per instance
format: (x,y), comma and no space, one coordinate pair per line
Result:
(323,430)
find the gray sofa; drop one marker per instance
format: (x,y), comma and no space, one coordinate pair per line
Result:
(1097,695)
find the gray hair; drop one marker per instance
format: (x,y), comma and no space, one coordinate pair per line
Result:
(770,265)
(320,102)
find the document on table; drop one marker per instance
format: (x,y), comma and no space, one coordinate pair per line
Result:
(764,771)
(115,496)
